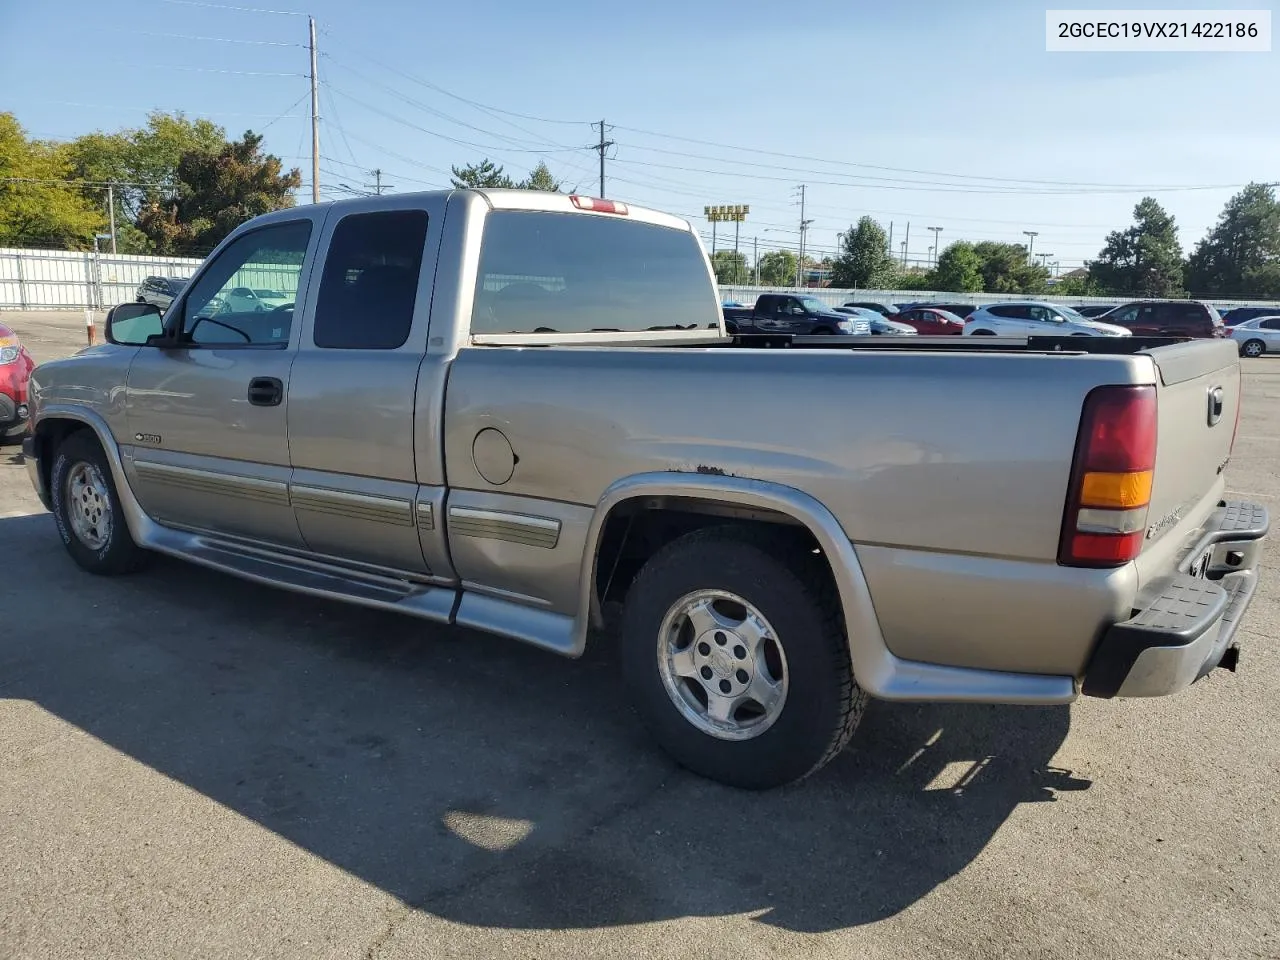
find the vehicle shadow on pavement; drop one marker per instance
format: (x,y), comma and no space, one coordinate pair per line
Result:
(490,783)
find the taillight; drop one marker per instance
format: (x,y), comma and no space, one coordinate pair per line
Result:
(1111,478)
(597,205)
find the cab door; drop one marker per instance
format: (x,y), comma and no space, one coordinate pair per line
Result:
(353,391)
(208,415)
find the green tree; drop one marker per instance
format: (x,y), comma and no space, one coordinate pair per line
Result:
(143,163)
(213,194)
(1144,260)
(35,213)
(1078,287)
(541,179)
(730,267)
(1005,268)
(481,175)
(1242,247)
(778,268)
(959,269)
(864,259)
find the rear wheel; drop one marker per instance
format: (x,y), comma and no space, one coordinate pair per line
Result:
(1253,348)
(982,333)
(86,508)
(734,653)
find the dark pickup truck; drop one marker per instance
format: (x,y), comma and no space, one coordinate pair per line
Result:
(794,314)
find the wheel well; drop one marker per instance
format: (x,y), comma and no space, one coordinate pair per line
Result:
(48,437)
(637,529)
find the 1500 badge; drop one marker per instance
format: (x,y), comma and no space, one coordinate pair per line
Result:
(153,438)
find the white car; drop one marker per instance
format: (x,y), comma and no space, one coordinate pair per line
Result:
(251,300)
(1257,336)
(1028,318)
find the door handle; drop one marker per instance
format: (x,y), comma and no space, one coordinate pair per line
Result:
(266,392)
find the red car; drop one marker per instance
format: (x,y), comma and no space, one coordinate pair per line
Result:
(931,322)
(15,372)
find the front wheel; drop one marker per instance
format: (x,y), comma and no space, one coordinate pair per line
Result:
(736,660)
(86,508)
(982,333)
(1253,348)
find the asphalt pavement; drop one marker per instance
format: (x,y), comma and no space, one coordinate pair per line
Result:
(194,766)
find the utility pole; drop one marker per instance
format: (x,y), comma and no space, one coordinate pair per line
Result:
(936,248)
(906,241)
(1032,234)
(755,257)
(378,186)
(600,148)
(315,118)
(111,211)
(891,238)
(804,227)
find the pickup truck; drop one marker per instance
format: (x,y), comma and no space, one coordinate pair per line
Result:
(472,410)
(793,314)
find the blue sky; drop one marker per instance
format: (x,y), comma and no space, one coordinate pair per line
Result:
(957,91)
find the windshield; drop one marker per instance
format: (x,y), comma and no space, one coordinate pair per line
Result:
(1071,314)
(814,304)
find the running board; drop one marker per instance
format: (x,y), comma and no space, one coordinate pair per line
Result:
(369,588)
(436,603)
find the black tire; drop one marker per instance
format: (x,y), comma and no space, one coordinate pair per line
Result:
(119,554)
(820,332)
(795,595)
(1257,346)
(982,333)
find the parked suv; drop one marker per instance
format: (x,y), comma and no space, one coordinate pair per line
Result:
(160,290)
(1167,318)
(1241,314)
(1035,318)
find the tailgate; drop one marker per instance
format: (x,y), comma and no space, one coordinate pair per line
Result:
(1198,402)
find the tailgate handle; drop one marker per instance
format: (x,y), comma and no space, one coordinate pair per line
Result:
(1216,403)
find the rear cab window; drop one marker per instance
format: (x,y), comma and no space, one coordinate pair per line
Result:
(370,281)
(553,273)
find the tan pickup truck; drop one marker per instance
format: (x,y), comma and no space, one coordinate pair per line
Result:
(519,412)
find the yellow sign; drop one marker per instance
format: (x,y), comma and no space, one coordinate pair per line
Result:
(727,214)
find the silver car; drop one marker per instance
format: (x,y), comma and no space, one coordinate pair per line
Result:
(1029,318)
(1257,336)
(880,325)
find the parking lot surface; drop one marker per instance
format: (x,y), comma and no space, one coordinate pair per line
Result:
(195,766)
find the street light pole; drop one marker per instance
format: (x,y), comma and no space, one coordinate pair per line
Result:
(1032,246)
(936,231)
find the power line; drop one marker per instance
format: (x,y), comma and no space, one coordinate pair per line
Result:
(225,6)
(929,173)
(240,73)
(475,103)
(185,36)
(419,104)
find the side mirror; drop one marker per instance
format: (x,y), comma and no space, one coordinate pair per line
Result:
(133,324)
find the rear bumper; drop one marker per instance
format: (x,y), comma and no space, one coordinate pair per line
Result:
(1187,623)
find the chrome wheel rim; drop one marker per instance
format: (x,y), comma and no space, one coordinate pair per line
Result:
(722,665)
(1252,349)
(88,505)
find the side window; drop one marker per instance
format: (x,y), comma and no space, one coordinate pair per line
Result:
(1272,324)
(1006,312)
(218,312)
(545,272)
(370,280)
(1124,317)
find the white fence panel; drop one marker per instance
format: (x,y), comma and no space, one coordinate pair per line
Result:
(66,279)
